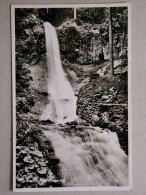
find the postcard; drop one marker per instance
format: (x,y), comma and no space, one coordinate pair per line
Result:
(71,97)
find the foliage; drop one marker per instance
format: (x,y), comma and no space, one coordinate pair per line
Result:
(120,19)
(82,40)
(32,169)
(29,32)
(55,16)
(69,43)
(92,15)
(82,44)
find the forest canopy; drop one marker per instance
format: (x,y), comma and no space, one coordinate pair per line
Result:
(88,15)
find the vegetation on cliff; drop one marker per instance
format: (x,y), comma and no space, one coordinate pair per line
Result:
(36,164)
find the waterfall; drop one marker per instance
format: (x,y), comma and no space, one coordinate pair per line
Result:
(62,101)
(88,156)
(91,157)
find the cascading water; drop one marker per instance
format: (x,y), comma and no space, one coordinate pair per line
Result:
(62,101)
(88,156)
(91,157)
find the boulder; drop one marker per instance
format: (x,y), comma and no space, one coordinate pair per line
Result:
(105,97)
(42,171)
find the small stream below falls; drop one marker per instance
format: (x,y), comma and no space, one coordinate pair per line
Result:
(89,156)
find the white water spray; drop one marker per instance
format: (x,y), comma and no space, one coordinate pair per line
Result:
(91,157)
(62,101)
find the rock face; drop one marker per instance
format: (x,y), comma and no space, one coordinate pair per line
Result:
(103,103)
(82,43)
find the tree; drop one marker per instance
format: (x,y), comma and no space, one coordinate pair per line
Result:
(75,13)
(110,42)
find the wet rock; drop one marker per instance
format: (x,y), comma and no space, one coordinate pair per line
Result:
(87,124)
(98,95)
(72,123)
(45,93)
(73,126)
(95,159)
(93,123)
(31,101)
(45,122)
(94,76)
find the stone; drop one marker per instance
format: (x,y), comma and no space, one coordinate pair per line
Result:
(31,167)
(95,117)
(73,126)
(87,124)
(23,152)
(27,169)
(42,170)
(18,148)
(37,153)
(105,117)
(42,164)
(42,182)
(105,97)
(111,89)
(93,123)
(28,160)
(98,95)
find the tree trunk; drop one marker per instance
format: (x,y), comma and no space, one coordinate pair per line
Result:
(110,42)
(75,13)
(122,42)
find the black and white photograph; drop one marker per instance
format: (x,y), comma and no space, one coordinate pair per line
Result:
(71,97)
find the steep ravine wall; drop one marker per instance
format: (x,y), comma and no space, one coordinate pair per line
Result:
(103,103)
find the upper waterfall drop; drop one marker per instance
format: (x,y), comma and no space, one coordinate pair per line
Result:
(62,101)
